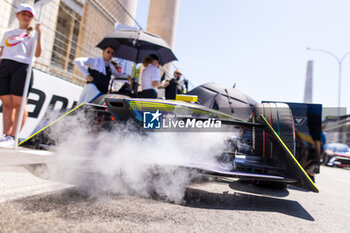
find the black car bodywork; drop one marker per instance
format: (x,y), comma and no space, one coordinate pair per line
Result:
(272,147)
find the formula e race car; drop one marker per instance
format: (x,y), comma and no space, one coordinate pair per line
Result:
(336,154)
(277,143)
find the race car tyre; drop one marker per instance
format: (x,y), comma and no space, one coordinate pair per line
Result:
(281,119)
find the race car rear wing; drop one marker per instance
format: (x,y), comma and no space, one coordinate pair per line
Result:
(291,170)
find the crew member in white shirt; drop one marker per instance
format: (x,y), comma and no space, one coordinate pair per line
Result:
(150,77)
(15,54)
(98,74)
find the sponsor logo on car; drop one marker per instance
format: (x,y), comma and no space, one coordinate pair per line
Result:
(152,120)
(157,120)
(299,120)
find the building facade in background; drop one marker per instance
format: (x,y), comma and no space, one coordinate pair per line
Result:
(337,129)
(71,28)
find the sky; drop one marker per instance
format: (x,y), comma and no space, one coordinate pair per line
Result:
(261,46)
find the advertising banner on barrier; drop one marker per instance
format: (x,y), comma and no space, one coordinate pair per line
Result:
(49,97)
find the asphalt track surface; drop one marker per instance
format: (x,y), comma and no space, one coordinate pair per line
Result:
(217,206)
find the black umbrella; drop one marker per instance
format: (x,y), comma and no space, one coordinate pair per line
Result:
(135,45)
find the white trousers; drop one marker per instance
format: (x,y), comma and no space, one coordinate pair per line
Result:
(89,93)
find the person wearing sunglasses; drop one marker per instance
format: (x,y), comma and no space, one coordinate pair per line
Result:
(173,86)
(16,49)
(98,74)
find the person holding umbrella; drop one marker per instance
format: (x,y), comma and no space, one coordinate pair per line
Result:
(98,74)
(150,77)
(136,46)
(16,48)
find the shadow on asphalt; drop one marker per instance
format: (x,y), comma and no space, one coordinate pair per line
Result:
(84,205)
(298,189)
(76,205)
(242,201)
(248,187)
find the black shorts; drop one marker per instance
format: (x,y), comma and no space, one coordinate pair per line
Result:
(12,77)
(148,93)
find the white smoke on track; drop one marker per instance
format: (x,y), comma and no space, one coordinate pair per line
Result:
(125,161)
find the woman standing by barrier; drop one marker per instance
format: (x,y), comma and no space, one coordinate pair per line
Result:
(15,53)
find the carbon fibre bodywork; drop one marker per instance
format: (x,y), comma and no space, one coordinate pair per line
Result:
(282,167)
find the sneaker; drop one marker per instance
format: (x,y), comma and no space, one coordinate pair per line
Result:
(2,137)
(7,142)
